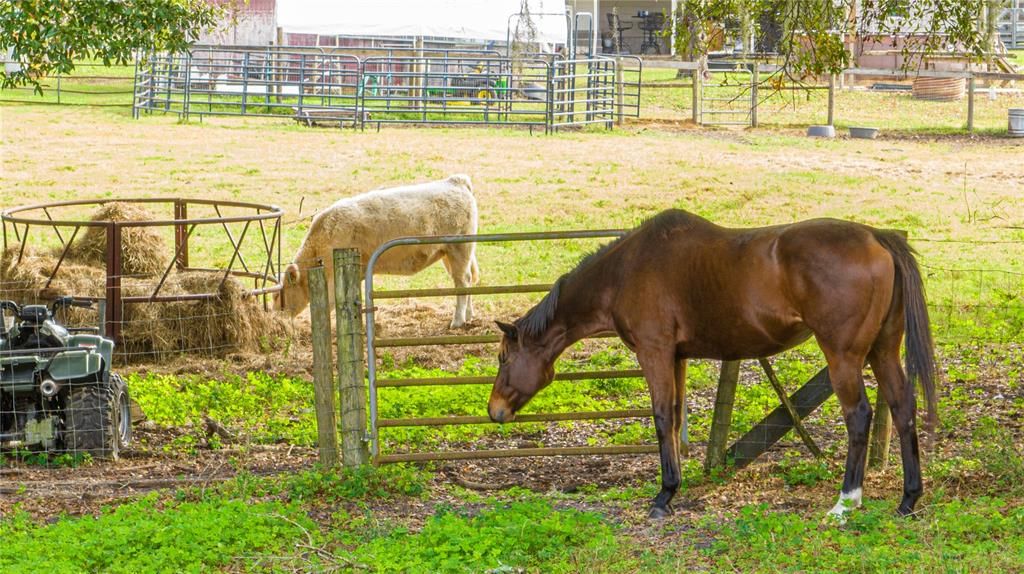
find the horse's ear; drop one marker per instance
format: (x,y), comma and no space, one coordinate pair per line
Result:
(510,331)
(291,274)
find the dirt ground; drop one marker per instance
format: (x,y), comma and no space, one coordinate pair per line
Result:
(959,186)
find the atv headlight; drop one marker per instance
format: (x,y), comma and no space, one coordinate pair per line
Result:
(49,388)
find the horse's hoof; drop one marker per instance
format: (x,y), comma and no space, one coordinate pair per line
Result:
(834,519)
(659,512)
(906,513)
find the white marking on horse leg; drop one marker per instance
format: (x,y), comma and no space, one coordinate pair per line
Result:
(468,315)
(847,502)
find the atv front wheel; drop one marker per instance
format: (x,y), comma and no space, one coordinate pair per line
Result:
(98,419)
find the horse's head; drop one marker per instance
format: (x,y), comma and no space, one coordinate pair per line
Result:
(294,294)
(523,370)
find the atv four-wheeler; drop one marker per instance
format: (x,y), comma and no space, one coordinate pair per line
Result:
(56,390)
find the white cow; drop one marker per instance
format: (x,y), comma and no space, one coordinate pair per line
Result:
(366,221)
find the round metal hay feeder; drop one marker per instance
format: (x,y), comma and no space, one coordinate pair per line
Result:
(26,230)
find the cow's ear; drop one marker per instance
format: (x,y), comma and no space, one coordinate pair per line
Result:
(291,274)
(510,331)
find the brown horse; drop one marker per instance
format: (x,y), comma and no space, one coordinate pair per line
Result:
(680,287)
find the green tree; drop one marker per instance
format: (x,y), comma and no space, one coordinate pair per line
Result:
(47,36)
(810,36)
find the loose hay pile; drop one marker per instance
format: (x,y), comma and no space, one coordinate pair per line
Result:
(229,322)
(144,251)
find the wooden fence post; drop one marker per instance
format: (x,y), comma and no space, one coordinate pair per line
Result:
(351,388)
(698,81)
(755,82)
(722,420)
(323,378)
(970,104)
(881,431)
(831,99)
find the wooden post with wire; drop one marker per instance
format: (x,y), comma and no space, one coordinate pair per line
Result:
(698,81)
(881,431)
(970,103)
(755,81)
(351,387)
(323,377)
(831,99)
(722,419)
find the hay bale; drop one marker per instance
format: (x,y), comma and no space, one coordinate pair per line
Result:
(144,251)
(25,282)
(228,323)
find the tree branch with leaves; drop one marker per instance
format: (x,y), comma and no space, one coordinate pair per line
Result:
(45,37)
(811,35)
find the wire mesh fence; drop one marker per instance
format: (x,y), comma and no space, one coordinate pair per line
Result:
(92,84)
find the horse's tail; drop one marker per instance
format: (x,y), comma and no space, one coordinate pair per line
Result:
(920,351)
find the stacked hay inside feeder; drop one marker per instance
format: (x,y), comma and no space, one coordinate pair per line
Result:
(231,321)
(144,253)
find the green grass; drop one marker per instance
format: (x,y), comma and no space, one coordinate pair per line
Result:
(264,525)
(153,534)
(978,535)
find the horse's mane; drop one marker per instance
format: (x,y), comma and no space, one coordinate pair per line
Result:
(537,319)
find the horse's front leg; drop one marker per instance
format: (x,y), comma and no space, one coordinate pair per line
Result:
(660,371)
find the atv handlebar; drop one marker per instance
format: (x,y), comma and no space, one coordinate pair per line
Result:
(69,302)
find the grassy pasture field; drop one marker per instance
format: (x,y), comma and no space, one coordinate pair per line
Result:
(958,198)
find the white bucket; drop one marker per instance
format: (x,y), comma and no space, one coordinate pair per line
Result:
(1016,121)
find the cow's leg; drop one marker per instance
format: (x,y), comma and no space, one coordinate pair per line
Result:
(459,259)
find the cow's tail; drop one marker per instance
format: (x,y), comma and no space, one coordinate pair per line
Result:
(920,351)
(474,271)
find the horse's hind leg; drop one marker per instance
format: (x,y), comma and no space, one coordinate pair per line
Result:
(845,372)
(899,394)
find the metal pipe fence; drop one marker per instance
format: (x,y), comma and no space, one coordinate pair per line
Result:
(583,92)
(373,343)
(454,91)
(358,87)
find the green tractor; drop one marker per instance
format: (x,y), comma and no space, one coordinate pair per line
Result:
(57,393)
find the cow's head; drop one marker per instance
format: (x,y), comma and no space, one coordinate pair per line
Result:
(293,297)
